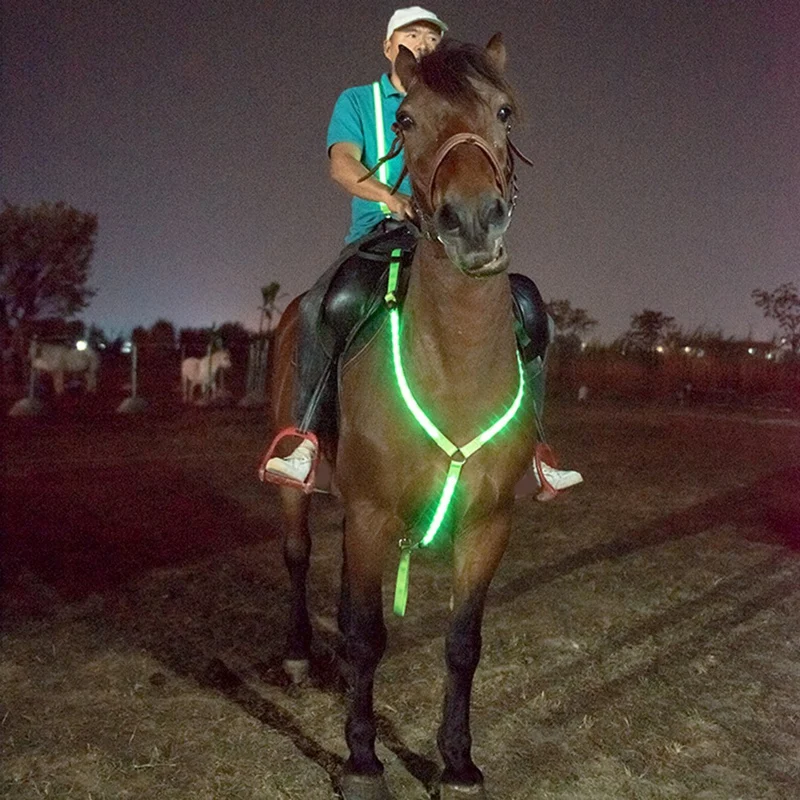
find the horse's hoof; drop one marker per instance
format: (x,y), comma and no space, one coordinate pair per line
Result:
(457,791)
(364,787)
(296,669)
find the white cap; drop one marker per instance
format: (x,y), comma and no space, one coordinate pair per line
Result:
(405,16)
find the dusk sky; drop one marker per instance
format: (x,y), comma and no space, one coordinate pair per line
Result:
(665,136)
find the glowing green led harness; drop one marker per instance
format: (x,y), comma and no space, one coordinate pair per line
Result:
(458,455)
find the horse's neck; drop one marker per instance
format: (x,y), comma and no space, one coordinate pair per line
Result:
(459,327)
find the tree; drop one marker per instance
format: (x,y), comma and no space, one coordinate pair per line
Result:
(162,334)
(45,254)
(782,305)
(648,330)
(193,341)
(571,324)
(97,338)
(233,335)
(570,321)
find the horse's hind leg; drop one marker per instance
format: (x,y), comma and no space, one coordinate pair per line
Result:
(476,558)
(296,555)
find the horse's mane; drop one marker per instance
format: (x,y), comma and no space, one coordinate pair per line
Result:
(453,68)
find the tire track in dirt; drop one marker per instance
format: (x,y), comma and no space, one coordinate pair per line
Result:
(579,691)
(581,694)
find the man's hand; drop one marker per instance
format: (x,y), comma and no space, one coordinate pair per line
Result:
(401,206)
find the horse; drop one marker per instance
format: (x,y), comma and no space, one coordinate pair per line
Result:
(202,372)
(450,350)
(58,360)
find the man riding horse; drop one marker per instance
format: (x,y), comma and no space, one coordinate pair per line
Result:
(383,213)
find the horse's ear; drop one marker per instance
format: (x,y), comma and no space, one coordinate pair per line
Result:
(405,65)
(496,52)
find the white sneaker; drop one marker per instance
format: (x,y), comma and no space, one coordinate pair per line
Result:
(297,465)
(557,480)
(560,479)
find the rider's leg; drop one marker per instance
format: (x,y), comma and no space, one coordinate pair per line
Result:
(534,334)
(328,315)
(326,319)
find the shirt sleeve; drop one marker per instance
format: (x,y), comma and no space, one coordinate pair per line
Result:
(346,124)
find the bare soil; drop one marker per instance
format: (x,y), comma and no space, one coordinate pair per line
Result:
(641,638)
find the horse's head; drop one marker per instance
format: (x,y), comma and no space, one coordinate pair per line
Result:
(222,359)
(454,124)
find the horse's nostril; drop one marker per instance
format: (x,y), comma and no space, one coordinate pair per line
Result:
(495,212)
(447,218)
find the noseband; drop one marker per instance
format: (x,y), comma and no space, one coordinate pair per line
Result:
(500,175)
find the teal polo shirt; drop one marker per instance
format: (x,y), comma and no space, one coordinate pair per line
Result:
(353,120)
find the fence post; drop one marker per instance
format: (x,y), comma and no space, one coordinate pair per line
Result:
(133,404)
(207,385)
(134,369)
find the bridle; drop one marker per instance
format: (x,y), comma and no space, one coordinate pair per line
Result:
(504,175)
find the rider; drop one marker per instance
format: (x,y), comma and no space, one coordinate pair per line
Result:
(338,300)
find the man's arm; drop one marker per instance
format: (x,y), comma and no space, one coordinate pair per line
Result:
(346,169)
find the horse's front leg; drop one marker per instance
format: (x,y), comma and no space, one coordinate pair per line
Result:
(361,617)
(477,554)
(296,556)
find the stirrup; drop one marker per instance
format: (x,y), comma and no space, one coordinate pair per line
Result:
(308,484)
(544,455)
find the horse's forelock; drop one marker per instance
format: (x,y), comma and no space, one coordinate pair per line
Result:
(452,69)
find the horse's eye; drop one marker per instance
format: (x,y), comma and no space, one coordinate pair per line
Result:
(504,114)
(404,120)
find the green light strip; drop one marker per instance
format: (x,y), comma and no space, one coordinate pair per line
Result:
(489,433)
(405,390)
(479,441)
(458,455)
(444,502)
(383,170)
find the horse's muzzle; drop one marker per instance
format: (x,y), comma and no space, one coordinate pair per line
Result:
(472,233)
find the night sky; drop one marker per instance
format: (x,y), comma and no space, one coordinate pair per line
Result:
(665,135)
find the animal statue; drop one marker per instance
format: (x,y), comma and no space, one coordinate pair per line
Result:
(450,347)
(59,360)
(202,373)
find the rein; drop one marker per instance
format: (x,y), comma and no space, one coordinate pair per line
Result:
(458,455)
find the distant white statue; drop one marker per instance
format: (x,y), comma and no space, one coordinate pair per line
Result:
(583,393)
(59,360)
(202,372)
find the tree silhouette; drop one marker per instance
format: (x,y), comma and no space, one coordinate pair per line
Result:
(648,330)
(782,305)
(571,325)
(45,253)
(570,321)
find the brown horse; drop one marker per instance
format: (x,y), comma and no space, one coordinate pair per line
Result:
(458,354)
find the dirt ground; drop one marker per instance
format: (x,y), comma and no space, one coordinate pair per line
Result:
(641,637)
